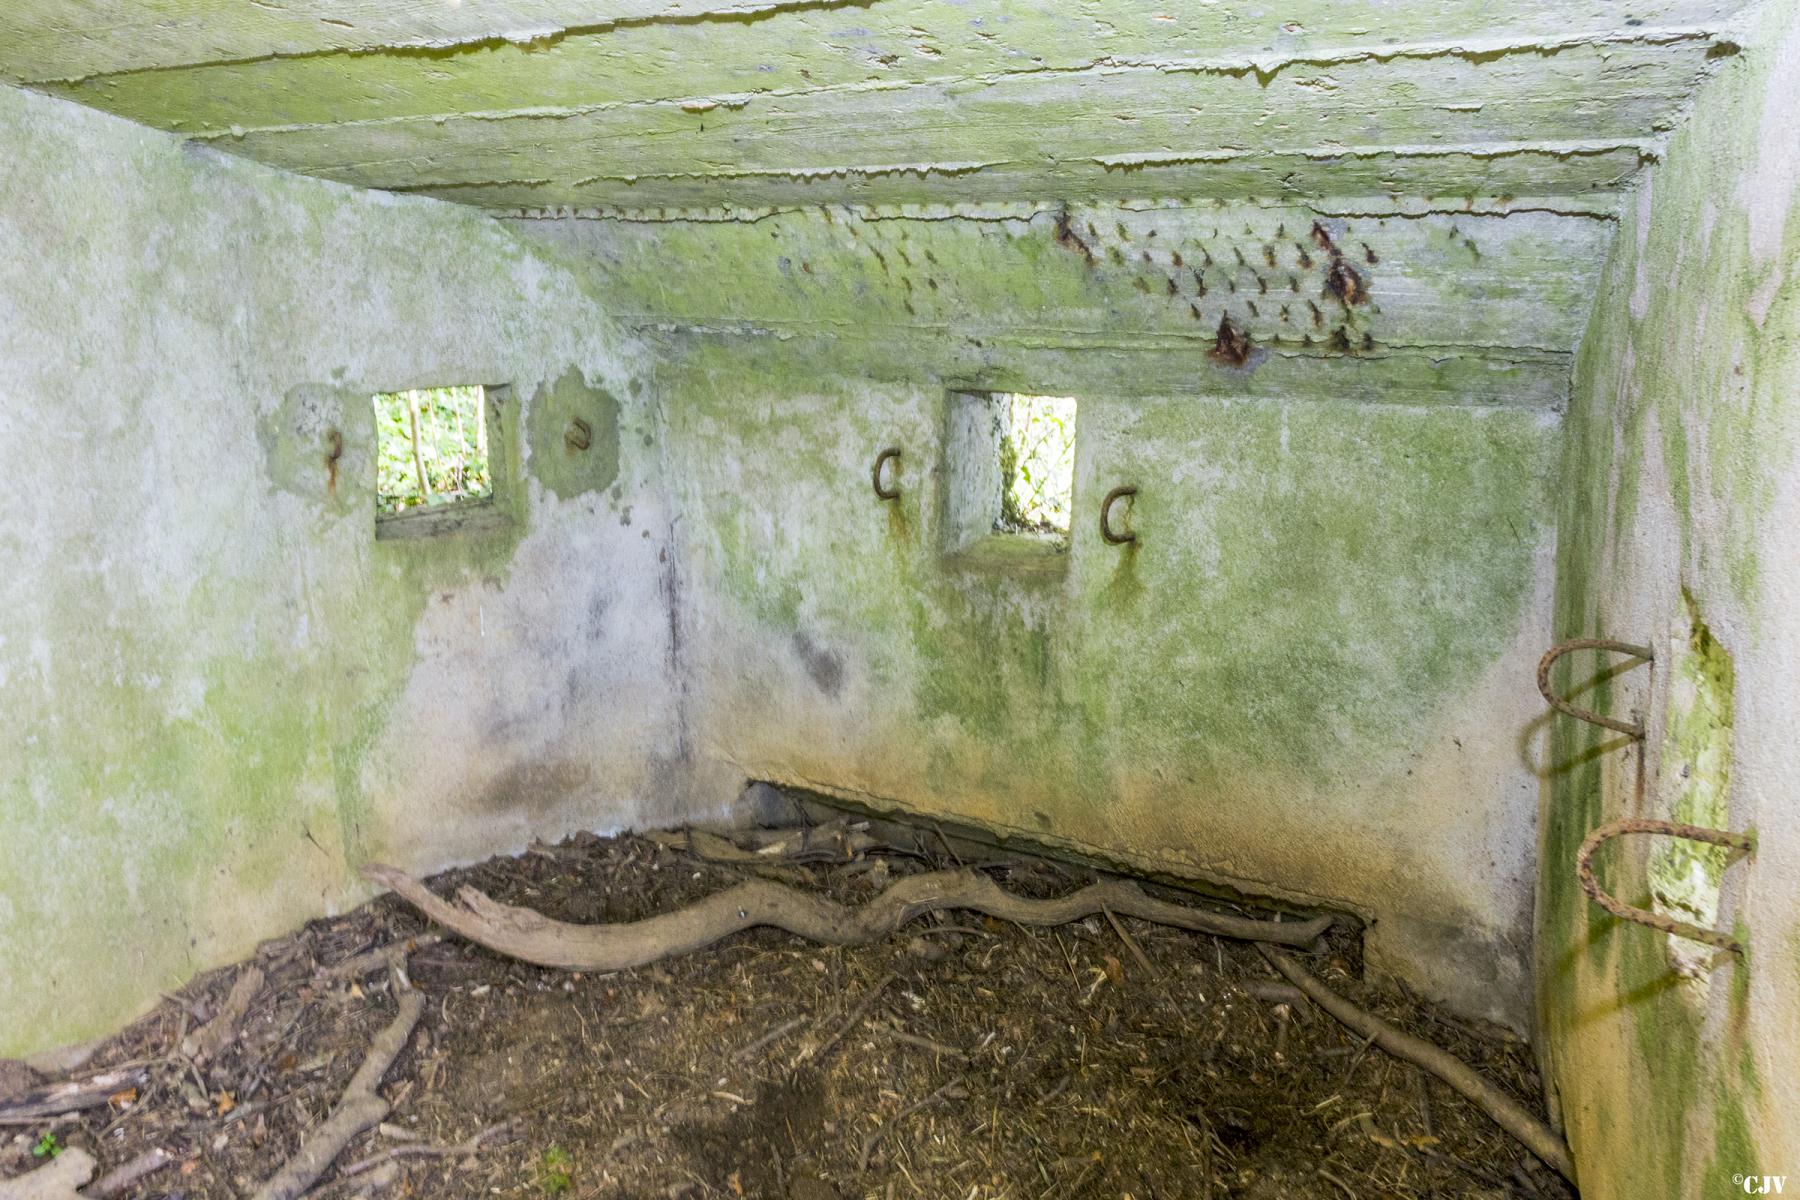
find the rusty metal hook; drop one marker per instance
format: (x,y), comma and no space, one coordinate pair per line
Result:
(1106,531)
(334,453)
(881,460)
(579,435)
(1633,728)
(1584,873)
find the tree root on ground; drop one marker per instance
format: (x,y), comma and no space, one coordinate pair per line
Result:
(525,934)
(360,1108)
(466,1148)
(1511,1116)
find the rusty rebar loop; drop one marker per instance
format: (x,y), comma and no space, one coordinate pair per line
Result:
(881,460)
(1584,873)
(1633,728)
(1106,530)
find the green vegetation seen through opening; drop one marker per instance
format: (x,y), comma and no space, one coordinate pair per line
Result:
(1037,464)
(431,448)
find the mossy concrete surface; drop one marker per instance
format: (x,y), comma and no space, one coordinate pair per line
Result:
(574,436)
(1317,281)
(1680,528)
(743,104)
(219,693)
(1363,278)
(1309,677)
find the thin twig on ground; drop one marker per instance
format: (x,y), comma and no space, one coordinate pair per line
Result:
(73,1096)
(374,960)
(206,1042)
(1137,951)
(360,1108)
(1511,1116)
(913,1039)
(770,1038)
(122,1177)
(950,1091)
(462,1149)
(850,1022)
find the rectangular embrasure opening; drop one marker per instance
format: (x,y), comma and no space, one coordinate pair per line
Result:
(1037,465)
(436,459)
(1010,474)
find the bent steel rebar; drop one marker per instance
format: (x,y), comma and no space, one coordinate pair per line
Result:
(1633,728)
(1584,872)
(1106,530)
(881,460)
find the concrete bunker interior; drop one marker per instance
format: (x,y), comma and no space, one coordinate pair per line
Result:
(1407,342)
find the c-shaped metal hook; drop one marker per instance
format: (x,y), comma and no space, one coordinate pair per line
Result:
(1106,531)
(881,460)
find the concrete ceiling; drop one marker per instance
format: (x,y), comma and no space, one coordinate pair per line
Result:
(646,105)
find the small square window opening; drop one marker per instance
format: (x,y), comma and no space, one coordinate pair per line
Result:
(1009,479)
(1037,465)
(431,449)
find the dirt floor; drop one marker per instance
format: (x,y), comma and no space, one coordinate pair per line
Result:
(962,1058)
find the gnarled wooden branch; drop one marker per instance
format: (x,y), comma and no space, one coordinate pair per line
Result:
(529,935)
(1511,1116)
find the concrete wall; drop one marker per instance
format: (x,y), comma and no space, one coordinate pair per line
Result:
(219,693)
(1680,528)
(1310,677)
(1307,679)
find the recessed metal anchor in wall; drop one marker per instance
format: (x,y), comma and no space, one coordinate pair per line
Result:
(1107,534)
(875,472)
(578,436)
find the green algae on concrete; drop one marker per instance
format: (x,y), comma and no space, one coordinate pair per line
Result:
(1158,275)
(1314,585)
(894,46)
(1685,876)
(530,103)
(784,42)
(574,436)
(1581,99)
(1677,527)
(219,684)
(1341,569)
